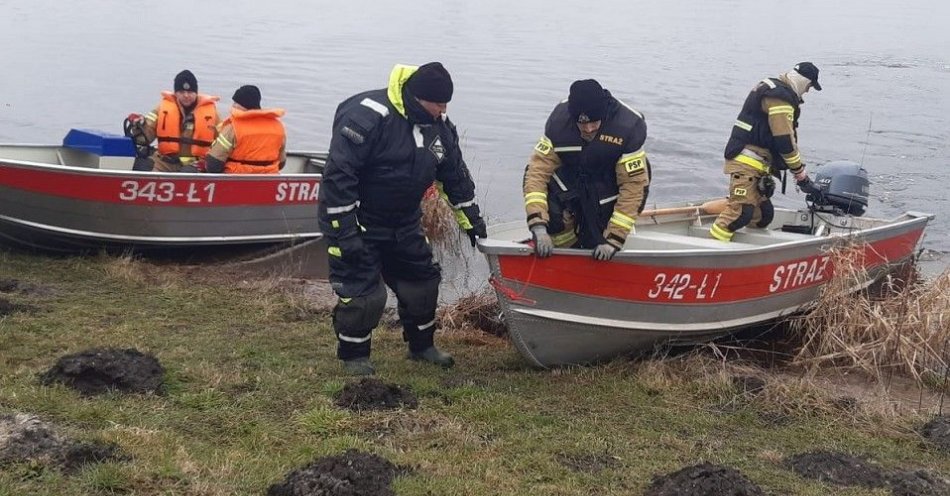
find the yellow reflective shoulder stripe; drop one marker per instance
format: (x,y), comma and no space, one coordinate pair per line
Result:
(781,109)
(751,162)
(629,157)
(622,220)
(743,125)
(720,233)
(152,116)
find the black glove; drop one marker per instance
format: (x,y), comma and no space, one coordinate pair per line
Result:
(474,217)
(478,230)
(808,186)
(351,247)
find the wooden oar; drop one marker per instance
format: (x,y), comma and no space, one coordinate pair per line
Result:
(714,207)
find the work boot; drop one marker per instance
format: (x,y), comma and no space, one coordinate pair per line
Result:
(359,366)
(433,355)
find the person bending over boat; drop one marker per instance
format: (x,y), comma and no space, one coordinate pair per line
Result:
(252,140)
(588,177)
(184,123)
(387,148)
(763,143)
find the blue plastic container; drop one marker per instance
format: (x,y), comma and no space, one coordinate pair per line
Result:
(99,143)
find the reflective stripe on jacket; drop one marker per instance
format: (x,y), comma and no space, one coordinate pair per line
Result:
(381,163)
(604,182)
(767,125)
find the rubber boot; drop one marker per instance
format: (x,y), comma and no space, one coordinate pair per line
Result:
(433,355)
(359,366)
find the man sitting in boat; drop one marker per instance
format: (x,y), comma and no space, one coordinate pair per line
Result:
(588,177)
(252,140)
(184,124)
(764,142)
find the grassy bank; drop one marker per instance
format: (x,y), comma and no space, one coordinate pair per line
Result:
(251,376)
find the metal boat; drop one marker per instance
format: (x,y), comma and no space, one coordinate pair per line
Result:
(672,282)
(83,195)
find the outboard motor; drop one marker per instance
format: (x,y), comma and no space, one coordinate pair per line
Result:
(844,188)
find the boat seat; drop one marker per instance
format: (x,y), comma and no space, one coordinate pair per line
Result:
(757,237)
(646,239)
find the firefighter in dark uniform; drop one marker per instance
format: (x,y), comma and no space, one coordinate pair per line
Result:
(388,147)
(763,143)
(588,177)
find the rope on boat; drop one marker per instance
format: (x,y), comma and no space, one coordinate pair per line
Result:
(512,294)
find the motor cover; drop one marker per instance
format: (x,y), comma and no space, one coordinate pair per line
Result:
(844,185)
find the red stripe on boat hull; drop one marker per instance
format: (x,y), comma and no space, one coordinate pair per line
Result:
(184,190)
(678,284)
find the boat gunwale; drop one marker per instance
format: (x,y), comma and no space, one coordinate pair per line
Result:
(493,247)
(176,175)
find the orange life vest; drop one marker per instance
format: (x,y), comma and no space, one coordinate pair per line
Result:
(168,129)
(259,136)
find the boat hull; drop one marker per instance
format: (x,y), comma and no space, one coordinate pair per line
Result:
(570,309)
(69,208)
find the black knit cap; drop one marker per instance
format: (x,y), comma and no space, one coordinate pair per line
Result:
(431,82)
(248,96)
(587,101)
(186,81)
(809,70)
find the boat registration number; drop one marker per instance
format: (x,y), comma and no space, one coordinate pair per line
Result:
(684,286)
(165,192)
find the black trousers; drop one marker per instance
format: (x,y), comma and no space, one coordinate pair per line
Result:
(402,259)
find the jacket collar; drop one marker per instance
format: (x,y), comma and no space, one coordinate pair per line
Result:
(397,80)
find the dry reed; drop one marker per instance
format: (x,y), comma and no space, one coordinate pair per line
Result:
(438,221)
(903,329)
(477,311)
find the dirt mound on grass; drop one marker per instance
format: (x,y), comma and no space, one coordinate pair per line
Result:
(14,285)
(837,468)
(373,394)
(78,454)
(937,431)
(6,307)
(8,285)
(919,483)
(24,438)
(703,480)
(99,370)
(351,474)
